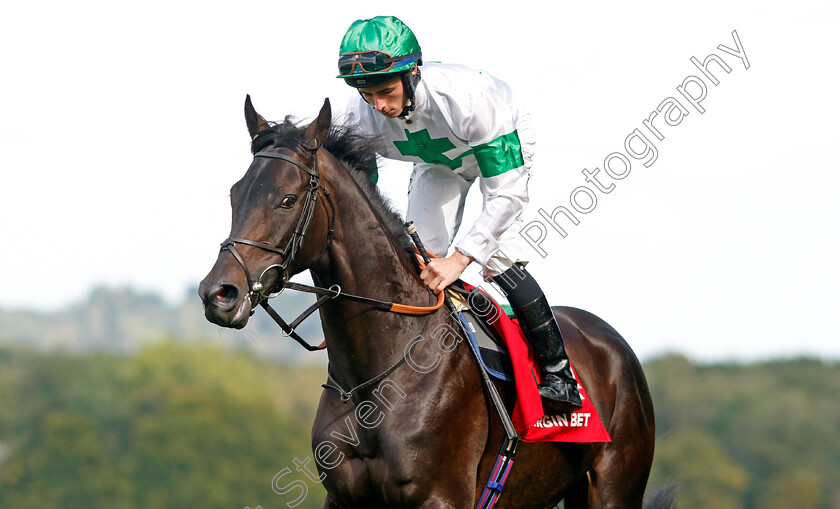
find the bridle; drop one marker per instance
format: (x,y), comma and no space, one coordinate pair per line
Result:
(256,287)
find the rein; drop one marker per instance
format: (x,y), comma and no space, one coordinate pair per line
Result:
(334,292)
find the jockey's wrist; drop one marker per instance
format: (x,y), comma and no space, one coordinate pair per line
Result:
(465,259)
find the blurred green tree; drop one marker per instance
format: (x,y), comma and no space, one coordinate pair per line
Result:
(708,477)
(799,489)
(65,465)
(176,425)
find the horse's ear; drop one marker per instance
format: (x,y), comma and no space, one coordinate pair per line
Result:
(254,120)
(316,132)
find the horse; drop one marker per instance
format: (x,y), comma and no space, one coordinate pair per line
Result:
(403,436)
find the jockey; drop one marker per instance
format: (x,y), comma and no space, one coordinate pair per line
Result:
(457,125)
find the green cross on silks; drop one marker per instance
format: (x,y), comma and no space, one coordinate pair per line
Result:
(430,150)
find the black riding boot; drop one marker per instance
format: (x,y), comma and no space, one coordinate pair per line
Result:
(537,322)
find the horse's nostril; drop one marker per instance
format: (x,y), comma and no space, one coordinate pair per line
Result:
(226,294)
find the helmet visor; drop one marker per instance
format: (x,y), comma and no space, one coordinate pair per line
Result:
(362,62)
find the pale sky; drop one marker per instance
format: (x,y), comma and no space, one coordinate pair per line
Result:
(122,131)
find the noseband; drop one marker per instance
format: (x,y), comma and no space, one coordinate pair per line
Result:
(256,287)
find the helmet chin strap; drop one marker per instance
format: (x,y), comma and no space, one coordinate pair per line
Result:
(410,80)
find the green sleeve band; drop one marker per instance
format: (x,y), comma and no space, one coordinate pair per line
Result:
(500,155)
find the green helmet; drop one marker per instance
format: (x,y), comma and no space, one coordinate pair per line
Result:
(373,50)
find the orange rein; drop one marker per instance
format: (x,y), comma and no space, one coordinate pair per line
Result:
(418,310)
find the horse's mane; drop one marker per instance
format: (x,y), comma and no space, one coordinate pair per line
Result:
(358,154)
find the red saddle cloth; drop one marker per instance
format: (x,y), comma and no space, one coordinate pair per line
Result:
(529,418)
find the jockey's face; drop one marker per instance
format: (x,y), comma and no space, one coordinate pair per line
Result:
(387,98)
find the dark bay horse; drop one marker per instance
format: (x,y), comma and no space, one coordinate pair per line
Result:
(424,434)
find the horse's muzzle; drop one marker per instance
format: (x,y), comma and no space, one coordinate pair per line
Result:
(224,304)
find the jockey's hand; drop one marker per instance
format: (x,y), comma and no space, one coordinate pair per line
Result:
(441,272)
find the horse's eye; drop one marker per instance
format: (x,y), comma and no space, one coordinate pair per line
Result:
(288,201)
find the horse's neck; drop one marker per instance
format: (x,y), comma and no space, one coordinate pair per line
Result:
(364,259)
